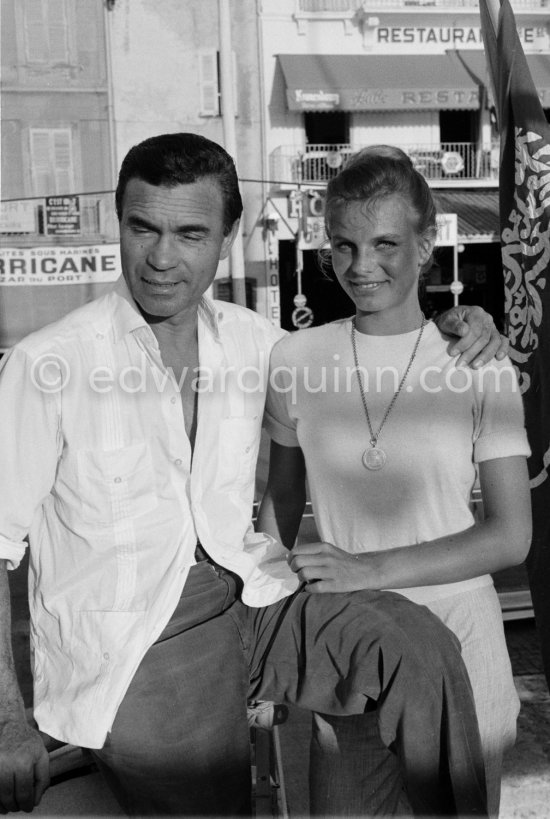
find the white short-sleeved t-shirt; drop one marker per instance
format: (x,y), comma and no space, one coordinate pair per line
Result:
(444,421)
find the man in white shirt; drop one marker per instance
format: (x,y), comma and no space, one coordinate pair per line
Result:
(128,447)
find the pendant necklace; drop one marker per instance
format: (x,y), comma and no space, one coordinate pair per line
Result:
(374,457)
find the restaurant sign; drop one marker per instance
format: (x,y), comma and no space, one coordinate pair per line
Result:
(532,37)
(23,266)
(383,99)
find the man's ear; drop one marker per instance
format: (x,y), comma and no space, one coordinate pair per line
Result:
(229,239)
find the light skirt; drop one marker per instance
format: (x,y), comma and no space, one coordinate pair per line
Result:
(476,619)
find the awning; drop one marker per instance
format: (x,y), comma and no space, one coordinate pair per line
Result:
(539,66)
(353,82)
(477,212)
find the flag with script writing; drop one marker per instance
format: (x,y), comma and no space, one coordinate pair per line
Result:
(525,241)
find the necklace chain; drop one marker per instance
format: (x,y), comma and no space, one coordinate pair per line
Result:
(375,435)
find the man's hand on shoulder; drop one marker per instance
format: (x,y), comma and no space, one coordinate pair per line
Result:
(479,341)
(24,766)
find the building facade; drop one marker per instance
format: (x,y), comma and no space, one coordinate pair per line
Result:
(343,74)
(57,159)
(312,82)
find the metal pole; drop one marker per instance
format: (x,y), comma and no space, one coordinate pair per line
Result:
(110,96)
(457,291)
(236,255)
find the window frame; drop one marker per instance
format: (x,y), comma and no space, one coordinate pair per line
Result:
(56,168)
(53,14)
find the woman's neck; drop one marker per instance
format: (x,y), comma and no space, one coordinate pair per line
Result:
(386,323)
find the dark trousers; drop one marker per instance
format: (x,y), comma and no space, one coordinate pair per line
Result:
(179,744)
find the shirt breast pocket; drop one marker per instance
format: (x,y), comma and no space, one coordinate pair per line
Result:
(239,441)
(116,485)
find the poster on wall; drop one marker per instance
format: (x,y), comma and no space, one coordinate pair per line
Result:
(18,216)
(62,215)
(27,266)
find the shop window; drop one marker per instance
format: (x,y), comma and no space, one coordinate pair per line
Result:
(51,161)
(46,31)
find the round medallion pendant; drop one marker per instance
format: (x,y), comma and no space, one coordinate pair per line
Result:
(374,458)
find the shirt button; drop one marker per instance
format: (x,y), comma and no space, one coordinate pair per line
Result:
(99,335)
(106,656)
(118,480)
(178,461)
(247,449)
(173,399)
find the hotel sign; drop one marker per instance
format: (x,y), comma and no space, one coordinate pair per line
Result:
(447,230)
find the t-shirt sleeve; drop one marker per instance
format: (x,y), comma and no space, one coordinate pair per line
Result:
(500,426)
(278,421)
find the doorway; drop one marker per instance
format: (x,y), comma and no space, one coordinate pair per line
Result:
(331,128)
(324,295)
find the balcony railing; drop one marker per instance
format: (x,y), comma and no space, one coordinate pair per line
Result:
(92,219)
(440,163)
(306,7)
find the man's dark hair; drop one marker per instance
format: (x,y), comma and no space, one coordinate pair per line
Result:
(181,159)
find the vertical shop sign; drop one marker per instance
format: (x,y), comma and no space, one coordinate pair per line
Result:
(447,236)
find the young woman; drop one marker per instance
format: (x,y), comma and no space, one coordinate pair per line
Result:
(391,433)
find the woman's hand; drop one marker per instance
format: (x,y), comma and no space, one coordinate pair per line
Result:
(326,568)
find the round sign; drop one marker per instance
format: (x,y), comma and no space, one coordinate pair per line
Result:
(456,288)
(334,159)
(302,317)
(299,300)
(452,162)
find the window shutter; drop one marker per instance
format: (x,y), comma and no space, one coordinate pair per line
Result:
(63,161)
(36,36)
(235,84)
(52,167)
(209,84)
(43,182)
(57,31)
(46,31)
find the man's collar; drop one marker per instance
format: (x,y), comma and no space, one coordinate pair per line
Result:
(127,317)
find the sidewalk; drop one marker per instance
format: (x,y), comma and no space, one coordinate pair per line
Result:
(526,785)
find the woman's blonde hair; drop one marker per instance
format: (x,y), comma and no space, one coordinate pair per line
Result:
(375,172)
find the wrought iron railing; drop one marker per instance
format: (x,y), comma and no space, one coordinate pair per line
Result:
(350,6)
(438,162)
(96,221)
